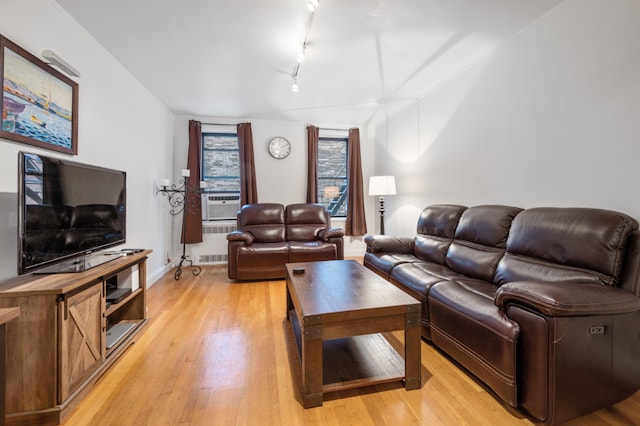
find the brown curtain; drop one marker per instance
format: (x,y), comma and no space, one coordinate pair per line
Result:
(355,224)
(313,134)
(248,188)
(192,214)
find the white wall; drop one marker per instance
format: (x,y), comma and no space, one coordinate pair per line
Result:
(121,126)
(552,118)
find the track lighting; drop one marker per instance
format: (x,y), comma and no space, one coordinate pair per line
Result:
(313,4)
(60,63)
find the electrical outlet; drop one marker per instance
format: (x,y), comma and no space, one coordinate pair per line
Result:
(596,329)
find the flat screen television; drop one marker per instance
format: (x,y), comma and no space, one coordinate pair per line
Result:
(67,213)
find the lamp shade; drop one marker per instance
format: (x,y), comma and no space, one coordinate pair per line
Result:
(382,185)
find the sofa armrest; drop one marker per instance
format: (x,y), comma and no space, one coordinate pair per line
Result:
(247,237)
(567,299)
(384,243)
(328,233)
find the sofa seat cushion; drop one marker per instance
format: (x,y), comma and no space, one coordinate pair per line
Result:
(311,251)
(383,263)
(262,260)
(262,254)
(416,278)
(467,325)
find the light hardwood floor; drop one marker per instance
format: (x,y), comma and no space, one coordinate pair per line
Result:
(216,352)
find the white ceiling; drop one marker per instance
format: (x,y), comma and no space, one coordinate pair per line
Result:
(235,58)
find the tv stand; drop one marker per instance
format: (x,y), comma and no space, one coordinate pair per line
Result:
(58,347)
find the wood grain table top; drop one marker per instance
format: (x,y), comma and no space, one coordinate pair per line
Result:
(340,286)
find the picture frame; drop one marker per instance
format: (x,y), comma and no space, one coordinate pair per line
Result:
(39,103)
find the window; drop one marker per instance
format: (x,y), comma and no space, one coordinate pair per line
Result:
(221,162)
(332,174)
(33,179)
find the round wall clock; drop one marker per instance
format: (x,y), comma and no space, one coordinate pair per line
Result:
(279,147)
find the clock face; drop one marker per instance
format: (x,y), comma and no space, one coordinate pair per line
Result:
(279,147)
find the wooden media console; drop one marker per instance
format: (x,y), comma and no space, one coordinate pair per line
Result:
(57,347)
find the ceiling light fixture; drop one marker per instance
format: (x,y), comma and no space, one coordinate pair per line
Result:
(300,57)
(313,4)
(60,63)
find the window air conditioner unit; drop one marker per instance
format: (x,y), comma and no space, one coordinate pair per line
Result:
(220,206)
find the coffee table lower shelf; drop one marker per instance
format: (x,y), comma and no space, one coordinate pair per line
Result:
(356,361)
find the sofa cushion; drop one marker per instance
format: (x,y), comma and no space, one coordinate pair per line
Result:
(304,222)
(467,325)
(435,231)
(480,240)
(384,263)
(416,278)
(410,273)
(311,251)
(560,244)
(264,221)
(261,260)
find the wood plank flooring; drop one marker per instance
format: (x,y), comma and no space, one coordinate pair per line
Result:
(216,352)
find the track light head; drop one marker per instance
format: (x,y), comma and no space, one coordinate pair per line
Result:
(313,4)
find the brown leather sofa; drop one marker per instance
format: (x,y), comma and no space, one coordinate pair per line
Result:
(541,305)
(269,235)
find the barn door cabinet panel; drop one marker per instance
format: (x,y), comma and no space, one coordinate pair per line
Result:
(81,348)
(57,347)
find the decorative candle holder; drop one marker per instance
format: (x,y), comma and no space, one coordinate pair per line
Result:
(181,197)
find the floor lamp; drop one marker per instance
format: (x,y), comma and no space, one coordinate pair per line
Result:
(381,186)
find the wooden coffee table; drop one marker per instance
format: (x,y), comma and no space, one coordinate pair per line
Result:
(337,311)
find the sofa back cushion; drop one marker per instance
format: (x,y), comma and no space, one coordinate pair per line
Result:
(435,230)
(305,221)
(265,221)
(566,244)
(480,240)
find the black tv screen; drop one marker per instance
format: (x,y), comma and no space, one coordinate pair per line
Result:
(66,212)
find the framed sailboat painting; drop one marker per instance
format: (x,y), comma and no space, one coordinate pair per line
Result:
(39,103)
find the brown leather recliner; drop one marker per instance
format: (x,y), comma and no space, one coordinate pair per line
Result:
(542,305)
(270,235)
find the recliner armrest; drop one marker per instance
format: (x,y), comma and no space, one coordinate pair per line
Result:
(247,237)
(328,233)
(567,299)
(384,243)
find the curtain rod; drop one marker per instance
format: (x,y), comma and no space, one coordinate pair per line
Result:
(219,124)
(336,130)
